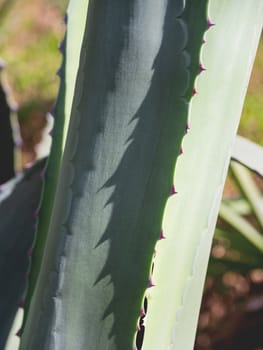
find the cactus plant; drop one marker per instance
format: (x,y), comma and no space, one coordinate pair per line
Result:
(129,114)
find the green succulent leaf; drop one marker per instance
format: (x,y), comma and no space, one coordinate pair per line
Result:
(18,202)
(248,153)
(129,115)
(190,217)
(70,49)
(249,189)
(241,225)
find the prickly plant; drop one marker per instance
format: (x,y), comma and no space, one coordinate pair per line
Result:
(19,198)
(115,197)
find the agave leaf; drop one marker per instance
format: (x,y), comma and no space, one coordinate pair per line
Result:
(249,189)
(241,225)
(190,217)
(240,205)
(70,49)
(239,252)
(248,153)
(128,118)
(18,202)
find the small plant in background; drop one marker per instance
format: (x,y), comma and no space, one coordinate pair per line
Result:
(232,309)
(119,238)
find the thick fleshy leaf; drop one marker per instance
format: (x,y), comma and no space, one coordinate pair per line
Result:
(190,217)
(128,119)
(242,226)
(249,189)
(70,49)
(249,154)
(19,199)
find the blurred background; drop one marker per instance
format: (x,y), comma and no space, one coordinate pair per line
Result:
(232,309)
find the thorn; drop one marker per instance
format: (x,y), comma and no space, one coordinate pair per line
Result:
(173,190)
(59,72)
(36,213)
(19,333)
(181,151)
(162,235)
(150,283)
(203,41)
(29,252)
(201,68)
(187,127)
(21,304)
(209,24)
(194,91)
(143,312)
(42,174)
(66,19)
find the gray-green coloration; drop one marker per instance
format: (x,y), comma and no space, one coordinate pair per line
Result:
(195,17)
(18,200)
(242,226)
(249,189)
(128,119)
(48,193)
(249,154)
(70,50)
(190,217)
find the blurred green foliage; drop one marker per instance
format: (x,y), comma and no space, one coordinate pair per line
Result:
(31,31)
(251,124)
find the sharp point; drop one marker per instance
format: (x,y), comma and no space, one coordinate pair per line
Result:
(173,190)
(210,23)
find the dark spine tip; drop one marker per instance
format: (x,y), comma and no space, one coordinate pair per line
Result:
(201,68)
(42,174)
(21,304)
(150,283)
(19,333)
(173,190)
(59,72)
(29,252)
(210,24)
(181,151)
(194,91)
(162,235)
(66,19)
